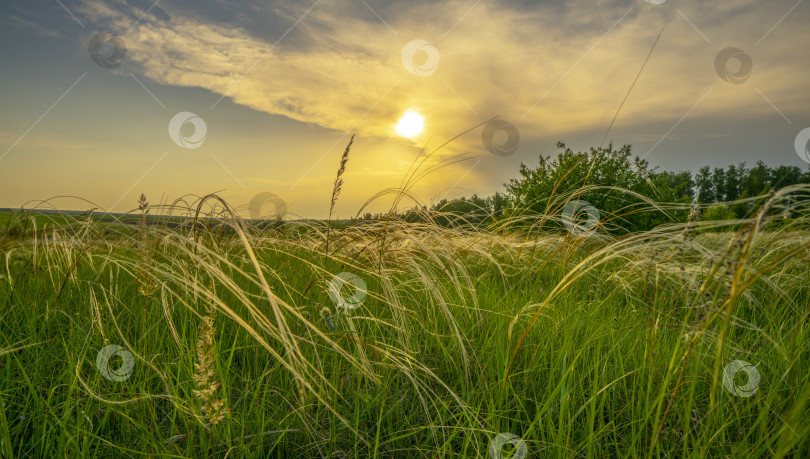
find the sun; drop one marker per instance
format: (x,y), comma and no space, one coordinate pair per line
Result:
(410,124)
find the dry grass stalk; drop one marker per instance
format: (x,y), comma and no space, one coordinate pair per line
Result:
(146,281)
(339,180)
(205,377)
(338,186)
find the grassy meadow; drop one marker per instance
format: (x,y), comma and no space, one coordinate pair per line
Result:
(511,339)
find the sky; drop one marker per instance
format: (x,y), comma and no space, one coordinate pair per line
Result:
(105,100)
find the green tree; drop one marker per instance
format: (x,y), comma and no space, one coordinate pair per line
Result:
(757,180)
(679,186)
(718,212)
(731,187)
(704,185)
(465,211)
(783,176)
(499,203)
(543,190)
(719,182)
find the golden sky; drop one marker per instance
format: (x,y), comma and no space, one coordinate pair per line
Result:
(281,86)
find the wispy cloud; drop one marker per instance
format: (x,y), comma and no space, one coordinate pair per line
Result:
(21,20)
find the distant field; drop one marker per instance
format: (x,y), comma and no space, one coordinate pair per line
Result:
(404,340)
(40,218)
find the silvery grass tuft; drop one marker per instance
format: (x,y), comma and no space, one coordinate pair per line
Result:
(626,338)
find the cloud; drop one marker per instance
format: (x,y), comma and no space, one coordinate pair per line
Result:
(21,17)
(559,67)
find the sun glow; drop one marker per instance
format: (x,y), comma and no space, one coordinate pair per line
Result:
(410,124)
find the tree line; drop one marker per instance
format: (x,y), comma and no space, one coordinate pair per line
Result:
(623,186)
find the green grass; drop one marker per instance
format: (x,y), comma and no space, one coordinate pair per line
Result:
(582,347)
